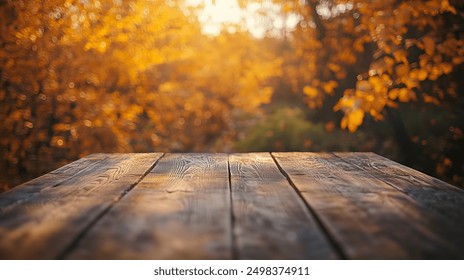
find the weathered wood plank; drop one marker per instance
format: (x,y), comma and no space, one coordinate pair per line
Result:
(432,194)
(43,227)
(32,188)
(271,220)
(440,202)
(367,217)
(180,210)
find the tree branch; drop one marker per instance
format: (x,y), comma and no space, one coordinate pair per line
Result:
(316,18)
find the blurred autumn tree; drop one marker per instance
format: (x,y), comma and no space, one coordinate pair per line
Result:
(379,60)
(113,76)
(81,76)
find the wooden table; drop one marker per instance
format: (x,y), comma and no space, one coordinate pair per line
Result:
(236,206)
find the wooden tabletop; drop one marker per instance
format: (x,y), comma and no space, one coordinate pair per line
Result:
(233,206)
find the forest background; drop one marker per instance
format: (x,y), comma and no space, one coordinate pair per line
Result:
(82,76)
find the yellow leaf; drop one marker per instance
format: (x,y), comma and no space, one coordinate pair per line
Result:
(430,99)
(393,94)
(392,104)
(334,67)
(435,72)
(400,56)
(421,74)
(411,83)
(378,104)
(375,80)
(310,91)
(405,95)
(429,45)
(447,68)
(389,62)
(413,74)
(344,122)
(167,87)
(378,84)
(364,86)
(329,87)
(359,45)
(355,119)
(376,115)
(402,70)
(445,5)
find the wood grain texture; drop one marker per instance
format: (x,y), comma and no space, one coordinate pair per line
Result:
(29,190)
(271,220)
(432,194)
(180,210)
(215,206)
(442,203)
(41,228)
(367,217)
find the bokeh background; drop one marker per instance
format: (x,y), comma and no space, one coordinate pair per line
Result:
(82,76)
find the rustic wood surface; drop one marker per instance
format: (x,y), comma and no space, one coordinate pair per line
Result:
(236,206)
(271,221)
(181,208)
(377,221)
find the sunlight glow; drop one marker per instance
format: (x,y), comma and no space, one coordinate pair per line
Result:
(258,19)
(215,14)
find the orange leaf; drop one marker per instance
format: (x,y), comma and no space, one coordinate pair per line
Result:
(355,119)
(429,45)
(310,91)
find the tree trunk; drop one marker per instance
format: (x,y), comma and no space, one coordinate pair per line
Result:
(406,146)
(411,154)
(316,18)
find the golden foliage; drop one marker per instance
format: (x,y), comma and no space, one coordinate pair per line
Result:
(117,76)
(84,76)
(392,49)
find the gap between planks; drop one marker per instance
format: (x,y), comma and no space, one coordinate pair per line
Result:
(272,221)
(234,247)
(165,217)
(338,249)
(377,209)
(67,250)
(233,238)
(235,252)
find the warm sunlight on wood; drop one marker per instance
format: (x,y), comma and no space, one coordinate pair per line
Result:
(192,205)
